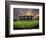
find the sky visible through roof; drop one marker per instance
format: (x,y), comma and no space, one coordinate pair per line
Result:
(25,11)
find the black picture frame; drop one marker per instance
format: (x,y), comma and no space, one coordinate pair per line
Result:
(7,3)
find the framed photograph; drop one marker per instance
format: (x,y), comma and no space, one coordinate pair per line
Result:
(24,18)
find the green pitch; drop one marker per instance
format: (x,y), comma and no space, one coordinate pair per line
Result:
(31,24)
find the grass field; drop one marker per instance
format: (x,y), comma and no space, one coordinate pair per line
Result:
(31,24)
